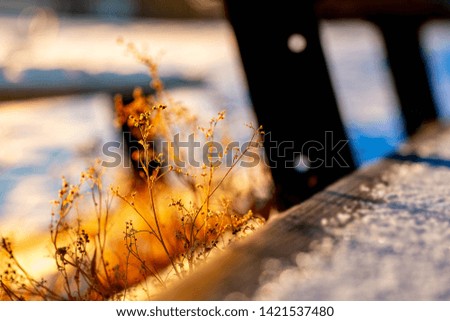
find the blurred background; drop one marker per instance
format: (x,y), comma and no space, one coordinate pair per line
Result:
(61,64)
(178,9)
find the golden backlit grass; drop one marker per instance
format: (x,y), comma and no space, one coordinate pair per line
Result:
(153,229)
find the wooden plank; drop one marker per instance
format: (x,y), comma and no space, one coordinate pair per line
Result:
(336,216)
(84,83)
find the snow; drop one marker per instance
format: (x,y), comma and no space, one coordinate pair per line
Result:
(397,249)
(187,48)
(436,38)
(42,140)
(364,89)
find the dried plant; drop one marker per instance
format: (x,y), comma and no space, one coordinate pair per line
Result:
(183,213)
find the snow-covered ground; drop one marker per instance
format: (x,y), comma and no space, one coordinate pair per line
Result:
(44,139)
(365,89)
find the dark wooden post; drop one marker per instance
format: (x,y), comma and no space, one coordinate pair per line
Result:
(401,37)
(292,95)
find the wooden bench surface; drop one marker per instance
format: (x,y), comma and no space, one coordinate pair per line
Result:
(380,233)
